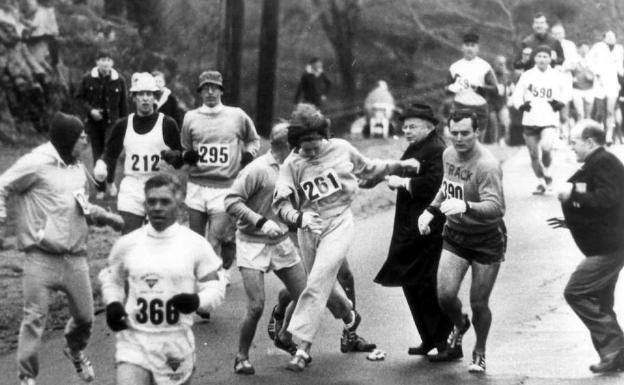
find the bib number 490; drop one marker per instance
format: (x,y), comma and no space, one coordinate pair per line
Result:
(321,186)
(155,311)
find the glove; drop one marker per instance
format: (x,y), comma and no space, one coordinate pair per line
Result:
(100,171)
(423,222)
(102,217)
(185,303)
(116,316)
(526,107)
(395,182)
(556,105)
(190,157)
(173,157)
(246,158)
(453,206)
(557,223)
(271,229)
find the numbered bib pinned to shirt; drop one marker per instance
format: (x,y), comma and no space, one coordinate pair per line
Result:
(452,189)
(321,186)
(214,155)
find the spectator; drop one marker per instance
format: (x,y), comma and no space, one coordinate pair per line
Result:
(539,37)
(104,97)
(167,103)
(379,107)
(43,31)
(314,84)
(499,111)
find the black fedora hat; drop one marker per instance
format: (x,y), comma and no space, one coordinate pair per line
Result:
(421,111)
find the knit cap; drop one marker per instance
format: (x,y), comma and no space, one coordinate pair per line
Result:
(64,133)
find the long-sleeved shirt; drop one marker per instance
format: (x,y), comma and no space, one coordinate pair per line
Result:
(607,63)
(146,268)
(327,183)
(473,74)
(220,135)
(539,88)
(476,178)
(250,197)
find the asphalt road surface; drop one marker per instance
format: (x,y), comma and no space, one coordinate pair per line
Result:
(535,337)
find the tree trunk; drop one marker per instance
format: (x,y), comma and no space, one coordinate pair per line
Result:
(231,50)
(267,66)
(146,15)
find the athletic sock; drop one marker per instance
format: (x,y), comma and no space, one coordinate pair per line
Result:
(350,324)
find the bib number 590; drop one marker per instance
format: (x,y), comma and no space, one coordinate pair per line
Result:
(155,311)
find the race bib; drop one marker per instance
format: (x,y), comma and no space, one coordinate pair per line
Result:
(144,163)
(155,311)
(540,92)
(321,186)
(82,200)
(452,189)
(214,155)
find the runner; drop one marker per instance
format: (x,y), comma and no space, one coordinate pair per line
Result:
(149,299)
(145,136)
(540,94)
(571,57)
(539,37)
(262,242)
(219,140)
(583,84)
(474,235)
(316,186)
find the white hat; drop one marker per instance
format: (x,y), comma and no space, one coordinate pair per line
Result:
(143,81)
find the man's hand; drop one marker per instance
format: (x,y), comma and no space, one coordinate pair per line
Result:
(410,165)
(116,316)
(312,221)
(423,222)
(96,114)
(564,191)
(556,105)
(185,303)
(173,157)
(102,217)
(272,229)
(100,171)
(526,107)
(557,223)
(453,206)
(190,157)
(369,183)
(395,182)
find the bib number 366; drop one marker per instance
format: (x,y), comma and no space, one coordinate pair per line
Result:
(156,312)
(321,186)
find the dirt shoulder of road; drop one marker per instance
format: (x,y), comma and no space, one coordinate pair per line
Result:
(367,202)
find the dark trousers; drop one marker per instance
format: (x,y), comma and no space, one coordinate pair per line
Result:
(432,324)
(589,293)
(98,134)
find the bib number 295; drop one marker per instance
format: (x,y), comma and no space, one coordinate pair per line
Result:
(321,186)
(216,154)
(156,312)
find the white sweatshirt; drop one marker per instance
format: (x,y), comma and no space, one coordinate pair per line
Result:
(539,88)
(156,266)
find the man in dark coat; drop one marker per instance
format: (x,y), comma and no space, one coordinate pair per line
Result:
(539,37)
(413,258)
(594,212)
(314,84)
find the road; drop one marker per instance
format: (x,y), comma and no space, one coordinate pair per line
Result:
(535,338)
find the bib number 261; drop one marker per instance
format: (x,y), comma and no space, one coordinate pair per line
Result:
(321,186)
(156,312)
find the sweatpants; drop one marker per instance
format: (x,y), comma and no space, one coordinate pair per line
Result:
(43,274)
(322,255)
(589,293)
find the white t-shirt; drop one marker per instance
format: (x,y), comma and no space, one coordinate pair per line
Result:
(143,151)
(468,74)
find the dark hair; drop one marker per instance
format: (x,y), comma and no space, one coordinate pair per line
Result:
(160,180)
(594,132)
(462,114)
(539,15)
(314,60)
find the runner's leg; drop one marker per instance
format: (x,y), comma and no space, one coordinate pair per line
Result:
(532,143)
(483,278)
(451,272)
(132,374)
(253,281)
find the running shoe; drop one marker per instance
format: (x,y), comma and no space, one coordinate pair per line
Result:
(454,349)
(349,337)
(243,366)
(289,347)
(549,183)
(478,362)
(81,364)
(27,381)
(540,189)
(275,324)
(205,315)
(300,360)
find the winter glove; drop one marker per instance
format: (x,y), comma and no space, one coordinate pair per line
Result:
(556,105)
(173,157)
(423,222)
(100,171)
(185,303)
(190,157)
(116,316)
(557,223)
(453,206)
(526,107)
(246,158)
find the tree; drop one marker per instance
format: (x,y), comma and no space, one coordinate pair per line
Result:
(267,65)
(231,49)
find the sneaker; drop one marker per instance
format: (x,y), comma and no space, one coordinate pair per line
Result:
(275,324)
(349,337)
(300,360)
(454,349)
(540,189)
(549,183)
(81,364)
(27,381)
(243,366)
(478,363)
(204,315)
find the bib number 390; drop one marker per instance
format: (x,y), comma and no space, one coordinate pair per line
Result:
(214,154)
(156,312)
(452,189)
(321,186)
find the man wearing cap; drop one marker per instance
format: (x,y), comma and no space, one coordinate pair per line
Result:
(471,80)
(52,221)
(103,96)
(147,137)
(218,141)
(413,258)
(540,36)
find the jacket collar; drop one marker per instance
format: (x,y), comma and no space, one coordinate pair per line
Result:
(96,74)
(594,154)
(418,145)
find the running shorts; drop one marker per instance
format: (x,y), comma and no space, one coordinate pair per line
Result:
(265,257)
(534,130)
(485,248)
